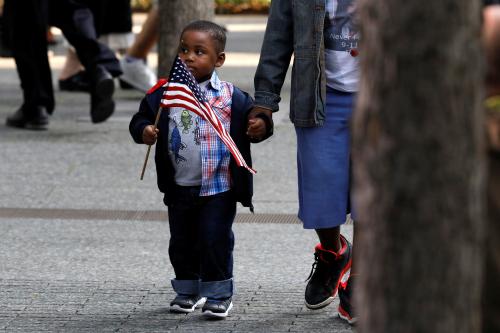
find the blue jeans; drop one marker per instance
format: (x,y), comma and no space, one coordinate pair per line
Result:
(202,242)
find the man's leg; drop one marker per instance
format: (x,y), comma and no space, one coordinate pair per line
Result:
(27,25)
(76,22)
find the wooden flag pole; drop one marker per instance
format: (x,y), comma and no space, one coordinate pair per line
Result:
(158,114)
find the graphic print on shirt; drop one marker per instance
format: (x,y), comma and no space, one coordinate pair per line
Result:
(177,145)
(197,132)
(341,32)
(186,121)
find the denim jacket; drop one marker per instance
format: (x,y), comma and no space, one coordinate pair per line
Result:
(294,27)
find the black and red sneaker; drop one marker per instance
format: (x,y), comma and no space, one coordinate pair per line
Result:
(327,271)
(346,308)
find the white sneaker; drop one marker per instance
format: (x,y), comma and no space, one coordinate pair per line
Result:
(137,74)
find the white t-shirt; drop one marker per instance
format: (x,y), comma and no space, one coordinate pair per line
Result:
(341,44)
(184,145)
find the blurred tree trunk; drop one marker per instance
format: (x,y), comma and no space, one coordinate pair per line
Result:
(418,163)
(174,15)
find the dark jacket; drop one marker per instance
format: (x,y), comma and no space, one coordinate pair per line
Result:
(242,180)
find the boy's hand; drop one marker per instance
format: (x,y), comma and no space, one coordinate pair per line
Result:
(150,134)
(257,129)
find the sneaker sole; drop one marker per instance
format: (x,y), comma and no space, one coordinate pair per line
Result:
(322,304)
(330,299)
(210,314)
(177,309)
(345,316)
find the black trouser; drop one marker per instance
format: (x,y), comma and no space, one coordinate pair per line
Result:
(111,16)
(28,21)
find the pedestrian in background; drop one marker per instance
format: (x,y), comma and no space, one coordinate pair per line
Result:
(28,21)
(136,72)
(197,172)
(323,41)
(113,25)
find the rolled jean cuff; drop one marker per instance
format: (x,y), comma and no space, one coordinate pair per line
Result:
(217,289)
(186,287)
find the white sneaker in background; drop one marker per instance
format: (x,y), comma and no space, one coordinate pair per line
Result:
(137,74)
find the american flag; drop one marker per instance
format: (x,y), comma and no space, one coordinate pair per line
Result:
(183,91)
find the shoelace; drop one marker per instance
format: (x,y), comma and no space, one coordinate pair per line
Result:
(313,267)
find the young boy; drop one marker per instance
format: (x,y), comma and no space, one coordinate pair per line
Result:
(198,176)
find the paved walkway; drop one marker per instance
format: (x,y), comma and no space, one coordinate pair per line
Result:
(84,241)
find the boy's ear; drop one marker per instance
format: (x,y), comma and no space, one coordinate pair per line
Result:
(221,58)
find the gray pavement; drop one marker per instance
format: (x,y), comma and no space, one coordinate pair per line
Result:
(84,242)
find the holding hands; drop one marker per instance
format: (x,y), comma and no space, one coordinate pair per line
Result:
(260,124)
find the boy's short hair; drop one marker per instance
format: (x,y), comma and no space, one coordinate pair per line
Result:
(217,32)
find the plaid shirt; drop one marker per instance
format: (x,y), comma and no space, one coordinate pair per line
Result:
(215,156)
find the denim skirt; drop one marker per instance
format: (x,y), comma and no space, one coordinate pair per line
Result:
(323,165)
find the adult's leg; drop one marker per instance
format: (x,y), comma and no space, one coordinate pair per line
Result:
(148,36)
(113,25)
(111,16)
(27,26)
(71,66)
(77,24)
(136,72)
(329,238)
(323,160)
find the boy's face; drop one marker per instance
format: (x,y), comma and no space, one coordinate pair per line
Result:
(198,50)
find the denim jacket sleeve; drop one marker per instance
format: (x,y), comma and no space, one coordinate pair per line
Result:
(276,52)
